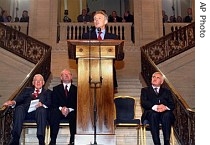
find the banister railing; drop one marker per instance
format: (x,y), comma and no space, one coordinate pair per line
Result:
(74,31)
(19,26)
(171,44)
(171,27)
(184,126)
(32,50)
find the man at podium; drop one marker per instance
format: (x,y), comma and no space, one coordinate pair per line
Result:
(99,32)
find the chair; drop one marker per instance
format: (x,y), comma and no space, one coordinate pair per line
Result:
(31,123)
(145,127)
(125,113)
(63,123)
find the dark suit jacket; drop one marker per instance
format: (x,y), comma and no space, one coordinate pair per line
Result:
(94,36)
(59,98)
(188,19)
(129,18)
(118,19)
(149,99)
(87,18)
(26,96)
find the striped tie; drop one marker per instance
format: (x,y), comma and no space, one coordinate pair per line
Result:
(156,92)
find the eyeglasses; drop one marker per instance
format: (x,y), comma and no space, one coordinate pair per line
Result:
(38,81)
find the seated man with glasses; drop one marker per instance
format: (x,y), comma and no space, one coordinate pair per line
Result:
(32,103)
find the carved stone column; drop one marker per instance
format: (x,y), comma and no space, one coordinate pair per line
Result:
(43,20)
(147,21)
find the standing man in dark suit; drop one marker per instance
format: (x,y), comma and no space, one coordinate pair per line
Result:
(64,106)
(114,17)
(158,105)
(84,17)
(100,22)
(188,18)
(23,109)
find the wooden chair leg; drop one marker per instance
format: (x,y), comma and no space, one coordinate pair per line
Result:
(142,135)
(138,135)
(24,136)
(144,130)
(144,142)
(48,134)
(172,136)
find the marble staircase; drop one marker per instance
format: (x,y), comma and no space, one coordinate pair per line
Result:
(14,70)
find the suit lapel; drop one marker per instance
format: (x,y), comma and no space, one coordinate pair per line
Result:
(62,91)
(153,91)
(93,35)
(41,92)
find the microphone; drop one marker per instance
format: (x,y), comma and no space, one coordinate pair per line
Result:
(99,29)
(90,29)
(89,33)
(99,33)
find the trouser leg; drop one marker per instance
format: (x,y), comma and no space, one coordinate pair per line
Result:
(154,122)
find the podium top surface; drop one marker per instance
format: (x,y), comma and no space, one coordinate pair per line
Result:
(106,42)
(87,44)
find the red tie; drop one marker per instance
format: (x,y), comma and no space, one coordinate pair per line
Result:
(36,93)
(99,36)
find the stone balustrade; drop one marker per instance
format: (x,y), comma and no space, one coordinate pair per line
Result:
(19,26)
(170,27)
(75,30)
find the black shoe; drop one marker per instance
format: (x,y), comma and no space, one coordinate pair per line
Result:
(41,140)
(71,143)
(52,143)
(14,142)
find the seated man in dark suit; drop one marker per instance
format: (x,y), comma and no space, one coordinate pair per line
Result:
(100,22)
(158,105)
(23,110)
(64,106)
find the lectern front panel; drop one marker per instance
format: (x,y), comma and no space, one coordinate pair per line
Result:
(88,86)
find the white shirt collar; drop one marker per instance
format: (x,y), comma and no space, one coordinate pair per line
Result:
(69,85)
(102,33)
(40,90)
(158,88)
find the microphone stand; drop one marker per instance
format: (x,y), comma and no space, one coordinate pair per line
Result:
(95,112)
(95,86)
(89,42)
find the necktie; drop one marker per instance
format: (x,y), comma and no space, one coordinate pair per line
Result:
(36,93)
(156,92)
(66,90)
(99,36)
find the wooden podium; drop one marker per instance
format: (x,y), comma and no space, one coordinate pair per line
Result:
(95,105)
